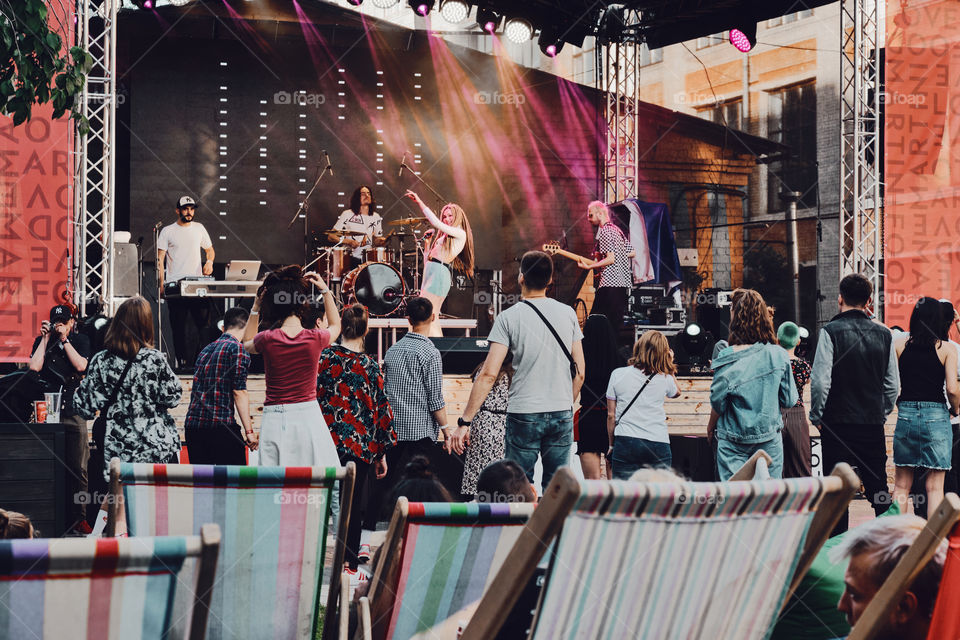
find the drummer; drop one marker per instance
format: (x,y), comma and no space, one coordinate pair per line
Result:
(364,226)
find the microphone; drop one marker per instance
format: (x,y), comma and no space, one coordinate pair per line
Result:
(403,163)
(327,157)
(139,241)
(158,225)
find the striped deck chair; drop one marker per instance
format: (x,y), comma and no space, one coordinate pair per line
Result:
(436,561)
(876,614)
(666,560)
(107,589)
(274,522)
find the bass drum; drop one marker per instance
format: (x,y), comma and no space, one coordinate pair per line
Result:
(375,285)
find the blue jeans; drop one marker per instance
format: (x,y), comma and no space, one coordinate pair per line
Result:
(733,455)
(632,454)
(549,435)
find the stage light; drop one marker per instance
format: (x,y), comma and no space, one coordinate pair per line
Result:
(744,38)
(385,4)
(804,334)
(355,3)
(612,24)
(518,30)
(421,7)
(693,329)
(549,42)
(454,11)
(488,19)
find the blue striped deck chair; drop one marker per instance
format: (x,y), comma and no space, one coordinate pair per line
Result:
(274,522)
(436,562)
(108,588)
(666,559)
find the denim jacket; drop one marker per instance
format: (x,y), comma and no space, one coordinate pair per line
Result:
(749,387)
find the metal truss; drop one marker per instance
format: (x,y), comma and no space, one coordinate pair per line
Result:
(92,267)
(618,78)
(861,206)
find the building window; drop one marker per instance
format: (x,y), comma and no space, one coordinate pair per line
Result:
(709,41)
(790,17)
(650,56)
(727,113)
(792,121)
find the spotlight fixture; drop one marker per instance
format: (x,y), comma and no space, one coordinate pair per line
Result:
(454,11)
(744,38)
(422,7)
(550,42)
(385,4)
(488,19)
(355,3)
(804,333)
(143,4)
(612,24)
(693,329)
(518,30)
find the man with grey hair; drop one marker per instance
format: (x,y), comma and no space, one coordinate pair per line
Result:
(612,256)
(874,549)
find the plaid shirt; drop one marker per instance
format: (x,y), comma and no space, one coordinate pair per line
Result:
(221,369)
(414,383)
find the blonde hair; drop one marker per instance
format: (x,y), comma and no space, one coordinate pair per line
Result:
(464,261)
(652,354)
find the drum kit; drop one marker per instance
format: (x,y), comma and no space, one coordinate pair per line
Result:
(389,272)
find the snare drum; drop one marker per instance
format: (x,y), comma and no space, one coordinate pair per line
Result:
(338,263)
(375,285)
(377,254)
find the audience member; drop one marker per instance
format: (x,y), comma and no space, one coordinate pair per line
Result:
(60,356)
(752,380)
(220,386)
(874,549)
(545,339)
(951,481)
(601,357)
(15,525)
(418,483)
(504,481)
(853,387)
(292,432)
(923,437)
(797,457)
(636,421)
(351,393)
(142,385)
(486,437)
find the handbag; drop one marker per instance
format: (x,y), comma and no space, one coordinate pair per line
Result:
(100,424)
(573,365)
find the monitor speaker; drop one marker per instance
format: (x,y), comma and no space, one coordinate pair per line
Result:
(461,355)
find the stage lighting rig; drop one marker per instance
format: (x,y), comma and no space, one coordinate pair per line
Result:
(422,7)
(744,37)
(488,19)
(143,4)
(612,24)
(454,11)
(355,3)
(550,42)
(518,30)
(385,4)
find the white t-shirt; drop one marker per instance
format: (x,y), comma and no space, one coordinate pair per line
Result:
(541,380)
(646,418)
(183,244)
(365,228)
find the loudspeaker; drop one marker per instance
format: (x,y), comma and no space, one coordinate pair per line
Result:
(461,355)
(126,270)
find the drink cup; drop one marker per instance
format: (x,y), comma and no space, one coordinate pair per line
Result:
(40,410)
(53,406)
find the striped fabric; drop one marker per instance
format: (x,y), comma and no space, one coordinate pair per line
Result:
(97,589)
(450,554)
(274,527)
(693,560)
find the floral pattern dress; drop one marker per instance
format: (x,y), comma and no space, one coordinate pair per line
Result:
(354,404)
(139,428)
(487,434)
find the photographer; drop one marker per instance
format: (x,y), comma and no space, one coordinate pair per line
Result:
(60,358)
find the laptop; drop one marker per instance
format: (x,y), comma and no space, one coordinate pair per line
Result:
(243,270)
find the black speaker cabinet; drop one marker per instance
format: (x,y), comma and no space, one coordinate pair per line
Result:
(126,270)
(461,355)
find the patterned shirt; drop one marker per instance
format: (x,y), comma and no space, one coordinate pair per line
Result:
(221,369)
(354,403)
(801,375)
(610,239)
(414,385)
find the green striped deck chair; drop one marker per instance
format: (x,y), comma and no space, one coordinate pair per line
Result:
(436,561)
(274,522)
(666,560)
(108,588)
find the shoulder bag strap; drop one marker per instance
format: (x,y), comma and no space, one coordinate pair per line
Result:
(116,389)
(566,351)
(634,399)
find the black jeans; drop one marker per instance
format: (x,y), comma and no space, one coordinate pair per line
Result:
(77,455)
(216,444)
(189,319)
(611,302)
(358,514)
(863,447)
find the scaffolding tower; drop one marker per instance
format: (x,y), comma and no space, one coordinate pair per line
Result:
(618,78)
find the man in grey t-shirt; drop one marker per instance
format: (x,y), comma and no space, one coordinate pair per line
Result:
(540,406)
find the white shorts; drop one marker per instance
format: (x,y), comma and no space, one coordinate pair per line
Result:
(296,435)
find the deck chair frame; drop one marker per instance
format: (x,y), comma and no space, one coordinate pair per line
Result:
(116,515)
(558,501)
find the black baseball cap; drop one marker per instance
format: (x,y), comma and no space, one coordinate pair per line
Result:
(60,313)
(186,201)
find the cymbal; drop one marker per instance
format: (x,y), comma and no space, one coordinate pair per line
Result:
(403,221)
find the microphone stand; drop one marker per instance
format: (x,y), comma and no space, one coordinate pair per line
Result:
(157,267)
(306,217)
(436,194)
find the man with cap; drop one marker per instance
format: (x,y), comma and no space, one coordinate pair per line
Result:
(178,257)
(60,358)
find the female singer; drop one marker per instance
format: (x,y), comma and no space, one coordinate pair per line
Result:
(451,245)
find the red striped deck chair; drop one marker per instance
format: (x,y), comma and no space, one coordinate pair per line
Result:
(945,615)
(274,522)
(666,560)
(107,589)
(436,561)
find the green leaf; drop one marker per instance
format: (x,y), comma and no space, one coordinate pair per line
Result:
(6,87)
(53,41)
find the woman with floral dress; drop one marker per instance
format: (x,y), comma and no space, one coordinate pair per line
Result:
(355,406)
(797,456)
(487,439)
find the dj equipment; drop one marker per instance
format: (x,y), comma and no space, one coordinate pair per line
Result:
(207,287)
(461,355)
(650,306)
(375,285)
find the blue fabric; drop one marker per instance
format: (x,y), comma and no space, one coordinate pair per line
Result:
(924,437)
(660,239)
(548,434)
(436,279)
(631,454)
(733,455)
(748,390)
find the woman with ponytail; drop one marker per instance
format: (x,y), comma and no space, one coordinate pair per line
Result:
(15,525)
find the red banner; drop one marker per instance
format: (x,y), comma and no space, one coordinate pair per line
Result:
(36,201)
(921,155)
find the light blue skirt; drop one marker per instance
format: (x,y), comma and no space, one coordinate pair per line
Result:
(923,437)
(436,279)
